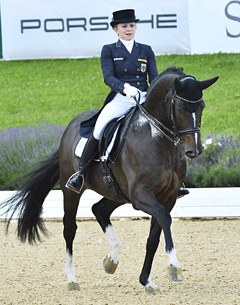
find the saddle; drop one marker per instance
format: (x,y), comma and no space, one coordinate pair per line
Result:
(116,129)
(113,135)
(108,139)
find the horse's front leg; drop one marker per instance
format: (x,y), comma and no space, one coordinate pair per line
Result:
(150,205)
(174,269)
(71,201)
(102,211)
(151,248)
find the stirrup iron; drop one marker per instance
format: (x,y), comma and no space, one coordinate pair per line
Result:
(74,186)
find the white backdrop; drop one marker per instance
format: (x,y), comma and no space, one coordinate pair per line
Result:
(33,29)
(214,26)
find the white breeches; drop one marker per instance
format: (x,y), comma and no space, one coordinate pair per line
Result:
(119,105)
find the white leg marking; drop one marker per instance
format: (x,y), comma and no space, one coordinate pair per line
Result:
(69,269)
(150,284)
(114,242)
(172,258)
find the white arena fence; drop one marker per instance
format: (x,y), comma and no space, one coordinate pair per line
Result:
(200,203)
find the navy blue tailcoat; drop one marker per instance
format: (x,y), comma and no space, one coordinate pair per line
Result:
(137,68)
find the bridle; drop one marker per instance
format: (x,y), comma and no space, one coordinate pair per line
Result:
(173,136)
(192,130)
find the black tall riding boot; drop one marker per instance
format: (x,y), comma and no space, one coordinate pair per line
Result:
(75,182)
(182,192)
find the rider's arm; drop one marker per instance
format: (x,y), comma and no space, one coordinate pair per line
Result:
(108,70)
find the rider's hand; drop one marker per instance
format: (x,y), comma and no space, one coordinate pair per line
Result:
(130,91)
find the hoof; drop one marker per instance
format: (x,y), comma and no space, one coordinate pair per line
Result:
(73,286)
(174,273)
(109,266)
(151,288)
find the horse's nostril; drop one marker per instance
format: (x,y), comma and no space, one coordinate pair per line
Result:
(191,154)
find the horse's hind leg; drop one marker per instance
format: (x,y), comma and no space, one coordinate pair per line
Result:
(102,211)
(71,202)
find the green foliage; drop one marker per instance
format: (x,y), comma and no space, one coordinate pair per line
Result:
(219,164)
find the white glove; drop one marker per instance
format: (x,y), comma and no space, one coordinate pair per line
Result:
(130,91)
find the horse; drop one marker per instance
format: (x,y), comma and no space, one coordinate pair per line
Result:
(149,170)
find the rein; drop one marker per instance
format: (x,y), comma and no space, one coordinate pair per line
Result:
(174,137)
(171,136)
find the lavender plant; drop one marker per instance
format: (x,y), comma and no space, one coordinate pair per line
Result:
(21,148)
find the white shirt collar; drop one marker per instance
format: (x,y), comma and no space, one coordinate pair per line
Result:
(128,44)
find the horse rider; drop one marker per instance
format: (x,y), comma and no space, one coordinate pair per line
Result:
(128,68)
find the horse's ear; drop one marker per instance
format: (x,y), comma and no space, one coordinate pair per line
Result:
(179,86)
(207,83)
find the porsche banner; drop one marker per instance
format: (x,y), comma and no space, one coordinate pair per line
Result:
(35,29)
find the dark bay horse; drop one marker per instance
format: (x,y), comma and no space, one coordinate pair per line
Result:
(149,171)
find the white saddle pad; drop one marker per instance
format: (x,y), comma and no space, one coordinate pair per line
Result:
(80,146)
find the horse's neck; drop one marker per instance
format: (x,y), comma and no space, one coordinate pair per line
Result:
(156,105)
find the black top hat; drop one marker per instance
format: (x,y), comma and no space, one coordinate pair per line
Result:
(123,16)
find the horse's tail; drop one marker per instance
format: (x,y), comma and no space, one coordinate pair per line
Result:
(28,200)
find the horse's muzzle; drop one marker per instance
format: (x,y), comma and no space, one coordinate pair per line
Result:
(193,152)
(192,146)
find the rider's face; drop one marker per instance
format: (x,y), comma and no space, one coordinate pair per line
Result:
(126,31)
